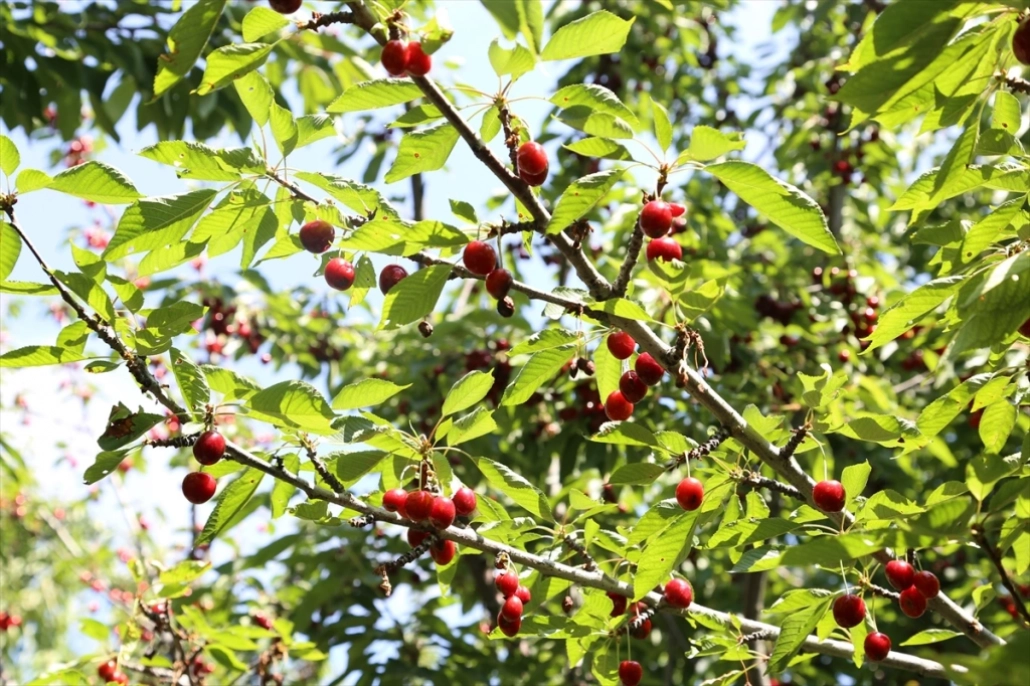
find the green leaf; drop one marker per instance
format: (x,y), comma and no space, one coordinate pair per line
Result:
(594,123)
(664,553)
(540,368)
(854,478)
(157,222)
(786,206)
(39,356)
(10,248)
(350,467)
(10,158)
(696,301)
(469,390)
(256,94)
(293,405)
(27,288)
(662,125)
(830,551)
(595,98)
(479,422)
(1007,114)
(192,384)
(515,487)
(94,629)
(32,180)
(901,316)
(261,21)
(125,426)
(282,491)
(186,41)
(423,151)
(463,210)
(184,572)
(198,161)
(580,197)
(284,128)
(105,463)
(624,309)
(372,95)
(230,62)
(414,297)
(389,237)
(625,433)
(928,636)
(95,181)
(636,473)
(516,61)
(707,144)
(794,631)
(996,425)
(314,127)
(597,33)
(543,340)
(227,382)
(230,503)
(952,170)
(599,147)
(354,195)
(366,393)
(608,370)
(364,281)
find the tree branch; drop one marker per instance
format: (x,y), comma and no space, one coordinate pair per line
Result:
(981,538)
(636,242)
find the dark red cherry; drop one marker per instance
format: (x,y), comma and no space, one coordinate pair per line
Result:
(317,236)
(339,273)
(648,369)
(621,345)
(391,275)
(209,448)
(395,57)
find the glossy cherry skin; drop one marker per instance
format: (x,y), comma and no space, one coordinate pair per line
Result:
(339,274)
(479,258)
(848,611)
(106,670)
(396,500)
(900,574)
(664,249)
(464,501)
(677,209)
(508,627)
(876,646)
(618,604)
(621,345)
(198,487)
(498,283)
(690,493)
(678,593)
(656,218)
(418,505)
(442,513)
(523,594)
(284,7)
(391,275)
(507,584)
(317,236)
(395,57)
(927,584)
(912,602)
(617,408)
(631,386)
(534,179)
(209,448)
(648,369)
(512,608)
(1021,42)
(416,537)
(419,63)
(443,552)
(829,496)
(532,158)
(630,672)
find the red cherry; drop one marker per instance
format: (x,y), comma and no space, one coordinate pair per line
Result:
(263,621)
(1021,42)
(676,209)
(532,159)
(509,627)
(106,670)
(872,301)
(498,283)
(844,356)
(285,6)
(877,646)
(419,63)
(209,448)
(630,672)
(418,504)
(656,218)
(396,500)
(120,677)
(317,236)
(621,345)
(664,249)
(416,537)
(1024,330)
(441,515)
(443,552)
(523,594)
(912,602)
(648,369)
(464,501)
(829,496)
(642,630)
(618,604)
(395,57)
(678,593)
(507,584)
(339,273)
(617,407)
(848,611)
(927,584)
(633,389)
(479,258)
(391,275)
(900,574)
(198,487)
(534,179)
(512,608)
(689,493)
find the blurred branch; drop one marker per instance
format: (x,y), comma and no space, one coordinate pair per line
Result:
(981,538)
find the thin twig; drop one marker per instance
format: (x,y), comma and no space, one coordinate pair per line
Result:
(721,434)
(981,538)
(755,480)
(636,242)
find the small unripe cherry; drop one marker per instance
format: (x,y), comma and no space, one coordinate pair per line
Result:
(512,608)
(900,574)
(509,627)
(498,283)
(317,236)
(690,493)
(464,501)
(678,593)
(418,505)
(621,345)
(532,158)
(391,275)
(395,57)
(198,487)
(618,604)
(630,673)
(829,496)
(656,218)
(441,514)
(339,273)
(285,6)
(876,646)
(416,537)
(209,448)
(648,369)
(395,500)
(479,258)
(443,552)
(617,407)
(523,594)
(664,249)
(848,611)
(631,386)
(419,63)
(507,583)
(927,584)
(912,602)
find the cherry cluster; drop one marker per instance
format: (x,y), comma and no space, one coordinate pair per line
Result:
(657,219)
(198,487)
(516,597)
(110,672)
(405,59)
(480,258)
(439,511)
(8,621)
(678,593)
